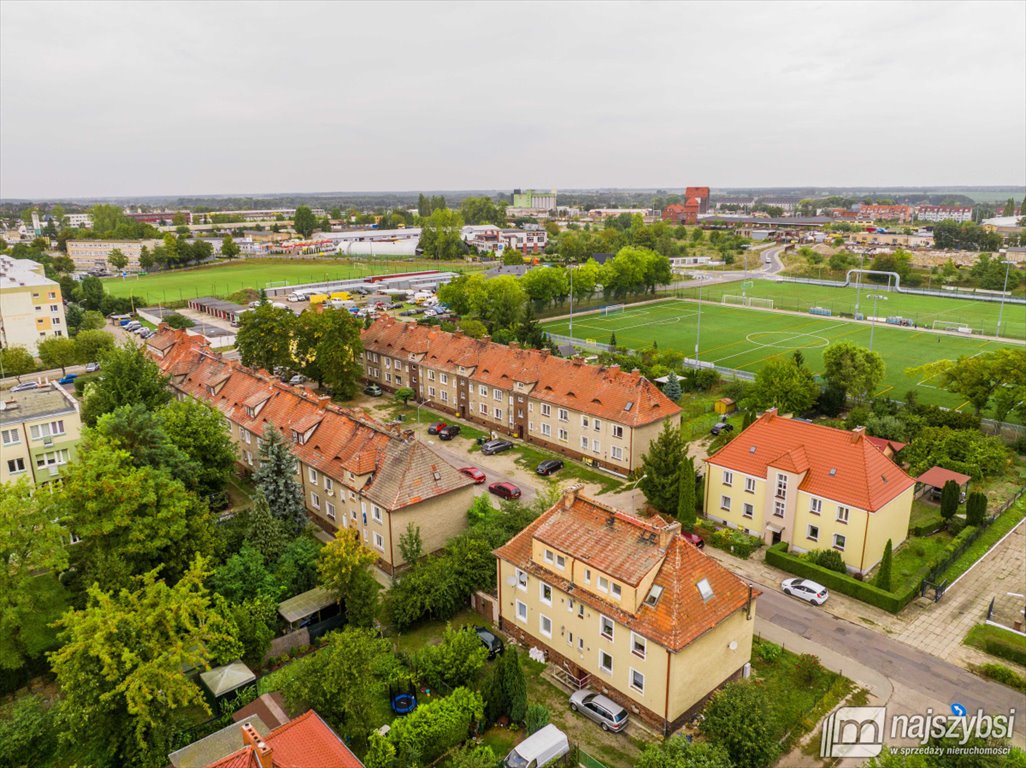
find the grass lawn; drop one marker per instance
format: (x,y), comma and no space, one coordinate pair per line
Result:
(913,558)
(501,740)
(429,632)
(796,702)
(745,339)
(1006,522)
(999,642)
(223,279)
(982,315)
(924,514)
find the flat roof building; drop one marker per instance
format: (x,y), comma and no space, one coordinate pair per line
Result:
(31,305)
(39,430)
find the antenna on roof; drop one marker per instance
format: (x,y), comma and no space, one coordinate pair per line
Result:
(610,520)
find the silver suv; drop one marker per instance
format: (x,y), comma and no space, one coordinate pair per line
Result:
(603,710)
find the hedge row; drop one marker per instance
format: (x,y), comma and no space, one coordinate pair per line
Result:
(999,642)
(778,557)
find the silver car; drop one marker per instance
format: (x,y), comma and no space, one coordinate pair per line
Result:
(806,589)
(603,710)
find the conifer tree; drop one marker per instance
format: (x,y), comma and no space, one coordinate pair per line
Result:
(883,576)
(277,479)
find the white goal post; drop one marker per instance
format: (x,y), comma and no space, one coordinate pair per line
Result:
(956,327)
(612,308)
(746,301)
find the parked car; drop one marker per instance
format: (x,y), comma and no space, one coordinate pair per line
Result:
(549,466)
(438,426)
(695,539)
(409,312)
(297,379)
(806,589)
(721,427)
(68,378)
(396,305)
(603,710)
(92,367)
(541,748)
(373,390)
(504,490)
(25,386)
(449,432)
(474,474)
(495,446)
(492,642)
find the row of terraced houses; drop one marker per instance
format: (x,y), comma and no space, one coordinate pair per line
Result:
(601,415)
(355,472)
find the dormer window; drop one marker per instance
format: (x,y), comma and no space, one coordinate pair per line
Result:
(251,411)
(653,595)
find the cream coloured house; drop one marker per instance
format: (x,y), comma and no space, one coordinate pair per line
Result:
(31,305)
(625,606)
(39,431)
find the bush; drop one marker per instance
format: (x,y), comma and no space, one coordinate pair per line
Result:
(998,642)
(434,727)
(827,558)
(769,652)
(453,662)
(537,717)
(736,542)
(975,508)
(807,667)
(1004,675)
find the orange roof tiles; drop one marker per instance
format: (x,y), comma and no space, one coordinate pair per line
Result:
(342,440)
(840,465)
(303,742)
(680,615)
(604,391)
(936,477)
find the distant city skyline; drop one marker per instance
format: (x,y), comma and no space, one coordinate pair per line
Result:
(101,100)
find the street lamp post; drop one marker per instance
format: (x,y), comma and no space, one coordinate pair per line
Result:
(698,331)
(1004,290)
(570,264)
(872,324)
(423,402)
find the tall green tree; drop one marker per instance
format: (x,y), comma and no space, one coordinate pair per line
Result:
(441,235)
(93,344)
(33,546)
(687,504)
(512,685)
(304,221)
(129,378)
(950,494)
(16,361)
(660,468)
(853,369)
(344,570)
(734,719)
(672,387)
(200,433)
(278,480)
(327,348)
(883,575)
(122,668)
(976,508)
(265,336)
(58,352)
(229,248)
(117,259)
(785,385)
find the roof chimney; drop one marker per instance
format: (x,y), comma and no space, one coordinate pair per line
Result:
(514,345)
(251,738)
(570,495)
(486,339)
(458,333)
(635,371)
(667,532)
(545,352)
(858,433)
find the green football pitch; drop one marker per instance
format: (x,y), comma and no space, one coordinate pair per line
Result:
(924,310)
(745,339)
(225,279)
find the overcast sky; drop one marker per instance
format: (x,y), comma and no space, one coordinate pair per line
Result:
(193,98)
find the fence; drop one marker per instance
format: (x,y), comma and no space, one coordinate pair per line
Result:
(919,291)
(591,344)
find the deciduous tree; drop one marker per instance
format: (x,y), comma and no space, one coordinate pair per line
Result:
(853,369)
(16,361)
(785,385)
(304,221)
(129,378)
(117,259)
(200,433)
(441,236)
(229,248)
(735,719)
(344,570)
(58,352)
(265,336)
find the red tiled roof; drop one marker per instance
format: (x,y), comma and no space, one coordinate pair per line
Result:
(343,441)
(839,465)
(936,477)
(680,615)
(604,391)
(303,742)
(883,443)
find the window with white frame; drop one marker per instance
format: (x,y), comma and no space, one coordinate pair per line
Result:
(747,510)
(329,510)
(47,429)
(749,485)
(639,646)
(432,392)
(546,409)
(603,584)
(616,453)
(617,431)
(816,506)
(606,627)
(597,425)
(842,514)
(445,396)
(545,593)
(431,375)
(311,474)
(379,541)
(615,591)
(584,422)
(51,459)
(637,680)
(376,513)
(497,394)
(521,580)
(315,500)
(587,575)
(483,408)
(443,378)
(596,446)
(249,457)
(781,485)
(812,534)
(564,435)
(482,390)
(560,562)
(548,556)
(725,503)
(778,508)
(584,443)
(498,414)
(606,662)
(11,437)
(546,430)
(563,415)
(545,625)
(245,435)
(728,477)
(521,611)
(14,466)
(839,541)
(329,484)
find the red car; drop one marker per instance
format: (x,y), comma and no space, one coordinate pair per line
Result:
(695,539)
(437,427)
(474,474)
(504,490)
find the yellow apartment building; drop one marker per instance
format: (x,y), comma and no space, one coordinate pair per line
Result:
(31,305)
(39,430)
(626,606)
(813,486)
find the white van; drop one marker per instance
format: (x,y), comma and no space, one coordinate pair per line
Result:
(538,749)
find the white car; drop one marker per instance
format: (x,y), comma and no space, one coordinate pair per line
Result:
(805,589)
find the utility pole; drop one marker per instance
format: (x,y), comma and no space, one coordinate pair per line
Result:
(872,324)
(1004,290)
(698,332)
(570,264)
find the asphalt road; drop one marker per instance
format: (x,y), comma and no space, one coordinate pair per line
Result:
(934,679)
(460,459)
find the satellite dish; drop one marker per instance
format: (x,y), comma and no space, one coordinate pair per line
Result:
(512,581)
(733,645)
